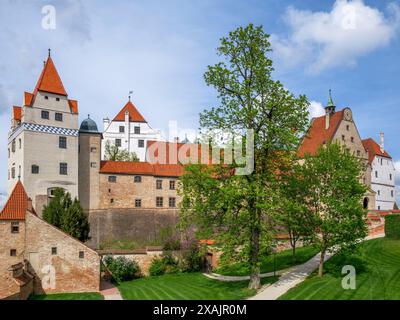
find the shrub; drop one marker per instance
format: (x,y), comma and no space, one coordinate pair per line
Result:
(164,264)
(157,267)
(392,226)
(122,269)
(192,259)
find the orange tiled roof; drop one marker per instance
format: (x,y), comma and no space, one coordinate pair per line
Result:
(17,113)
(134,114)
(374,149)
(16,205)
(73,105)
(317,135)
(49,80)
(145,168)
(28,98)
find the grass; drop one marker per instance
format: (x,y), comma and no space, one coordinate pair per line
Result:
(377,265)
(186,286)
(283,261)
(69,296)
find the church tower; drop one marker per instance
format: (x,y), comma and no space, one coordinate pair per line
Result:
(43,140)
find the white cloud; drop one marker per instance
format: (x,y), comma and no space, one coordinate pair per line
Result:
(316,109)
(324,40)
(3,199)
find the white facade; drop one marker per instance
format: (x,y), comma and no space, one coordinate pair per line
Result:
(129,135)
(382,182)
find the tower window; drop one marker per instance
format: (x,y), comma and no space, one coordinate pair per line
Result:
(137,130)
(13,253)
(347,127)
(390,176)
(54,251)
(376,174)
(62,142)
(118,142)
(46,97)
(392,193)
(137,179)
(19,143)
(63,168)
(93,149)
(343,138)
(59,116)
(138,203)
(121,129)
(93,165)
(141,143)
(379,192)
(159,202)
(112,179)
(352,139)
(13,172)
(57,99)
(45,115)
(14,227)
(35,169)
(81,254)
(13,146)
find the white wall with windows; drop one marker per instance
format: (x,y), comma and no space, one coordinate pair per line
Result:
(382,182)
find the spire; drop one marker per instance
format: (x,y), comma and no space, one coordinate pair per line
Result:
(330,101)
(49,52)
(49,80)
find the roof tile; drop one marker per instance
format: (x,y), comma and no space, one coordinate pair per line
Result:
(16,205)
(134,114)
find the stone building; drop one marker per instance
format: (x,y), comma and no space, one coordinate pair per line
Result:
(339,127)
(43,140)
(382,174)
(129,131)
(36,257)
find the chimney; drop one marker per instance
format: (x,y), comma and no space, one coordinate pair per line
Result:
(382,142)
(329,109)
(327,119)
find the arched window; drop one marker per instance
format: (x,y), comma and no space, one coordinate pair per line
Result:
(365,204)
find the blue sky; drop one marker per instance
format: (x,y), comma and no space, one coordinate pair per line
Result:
(160,50)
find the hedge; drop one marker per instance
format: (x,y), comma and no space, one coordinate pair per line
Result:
(392,226)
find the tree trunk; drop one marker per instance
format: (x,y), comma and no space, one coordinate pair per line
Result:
(255,282)
(294,253)
(321,263)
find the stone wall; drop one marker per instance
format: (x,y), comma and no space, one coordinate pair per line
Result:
(140,225)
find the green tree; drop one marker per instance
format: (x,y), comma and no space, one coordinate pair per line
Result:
(114,153)
(334,199)
(234,209)
(67,215)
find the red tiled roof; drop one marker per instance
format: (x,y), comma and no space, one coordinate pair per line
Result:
(16,205)
(17,113)
(134,114)
(374,149)
(317,135)
(49,80)
(28,98)
(73,105)
(145,168)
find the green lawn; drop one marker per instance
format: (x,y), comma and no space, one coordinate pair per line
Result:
(283,261)
(69,296)
(186,286)
(378,275)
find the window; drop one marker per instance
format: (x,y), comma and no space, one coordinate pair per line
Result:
(81,254)
(118,142)
(13,253)
(379,192)
(112,179)
(13,172)
(137,179)
(59,116)
(93,149)
(392,193)
(62,142)
(57,99)
(46,97)
(141,143)
(159,201)
(45,115)
(93,165)
(9,153)
(14,227)
(158,184)
(347,127)
(138,203)
(390,176)
(381,161)
(13,146)
(172,202)
(379,207)
(358,153)
(121,129)
(19,143)
(172,184)
(111,200)
(352,139)
(54,251)
(136,130)
(63,168)
(376,174)
(343,138)
(35,169)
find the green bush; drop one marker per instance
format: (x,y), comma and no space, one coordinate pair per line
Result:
(157,267)
(392,226)
(164,264)
(192,259)
(122,269)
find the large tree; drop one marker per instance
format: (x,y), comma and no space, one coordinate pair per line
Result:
(237,209)
(114,153)
(67,215)
(334,198)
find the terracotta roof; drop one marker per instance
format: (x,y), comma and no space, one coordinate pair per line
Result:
(28,98)
(143,168)
(49,80)
(17,113)
(73,105)
(374,149)
(134,114)
(317,135)
(16,205)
